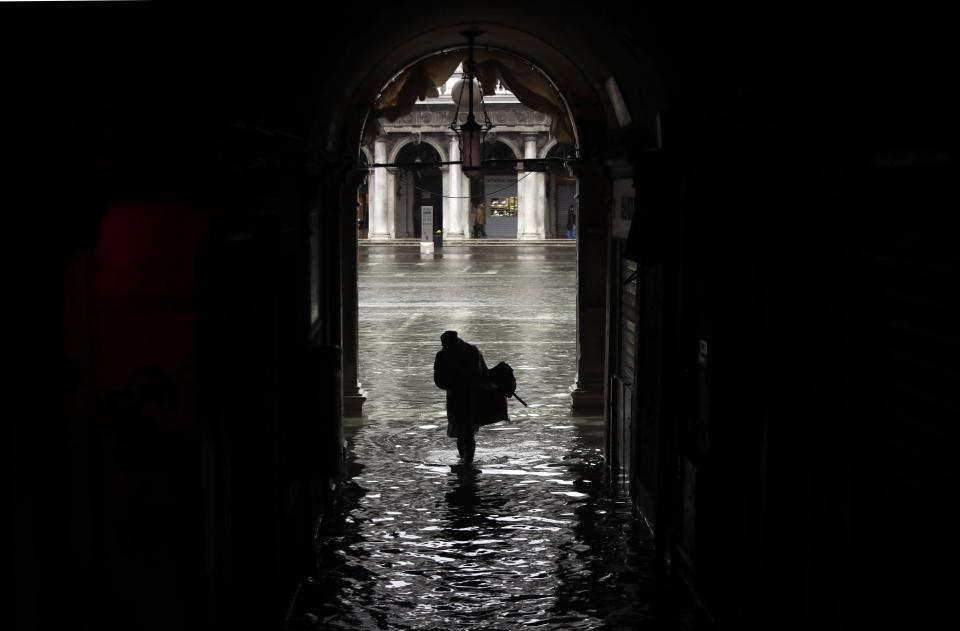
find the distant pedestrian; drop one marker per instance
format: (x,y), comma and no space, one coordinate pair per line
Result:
(459,369)
(479,222)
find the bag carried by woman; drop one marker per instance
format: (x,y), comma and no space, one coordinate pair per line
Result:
(490,403)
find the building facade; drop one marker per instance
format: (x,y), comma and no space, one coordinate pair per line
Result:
(518,204)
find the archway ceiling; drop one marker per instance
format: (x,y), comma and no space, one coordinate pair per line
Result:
(420,81)
(569,76)
(576,81)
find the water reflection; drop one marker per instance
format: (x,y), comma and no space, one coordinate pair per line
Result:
(528,540)
(504,547)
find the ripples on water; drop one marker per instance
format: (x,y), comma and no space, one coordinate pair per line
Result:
(530,539)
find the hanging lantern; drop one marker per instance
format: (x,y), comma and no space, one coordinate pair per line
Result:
(470,132)
(471,135)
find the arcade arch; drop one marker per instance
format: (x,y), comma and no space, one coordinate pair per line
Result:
(588,112)
(415,187)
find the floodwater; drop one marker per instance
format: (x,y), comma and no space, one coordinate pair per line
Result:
(532,538)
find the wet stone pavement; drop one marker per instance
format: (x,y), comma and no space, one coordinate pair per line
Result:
(531,540)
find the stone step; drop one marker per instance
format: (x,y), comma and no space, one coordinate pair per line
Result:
(471,242)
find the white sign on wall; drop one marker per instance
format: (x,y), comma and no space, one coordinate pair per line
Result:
(426,223)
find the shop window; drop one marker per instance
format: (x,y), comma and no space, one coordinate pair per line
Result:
(503,206)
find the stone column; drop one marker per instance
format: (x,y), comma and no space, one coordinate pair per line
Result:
(592,228)
(550,206)
(527,193)
(391,205)
(409,212)
(541,186)
(466,207)
(354,395)
(404,200)
(378,230)
(452,210)
(445,191)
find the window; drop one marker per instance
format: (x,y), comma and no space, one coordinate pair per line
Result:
(503,206)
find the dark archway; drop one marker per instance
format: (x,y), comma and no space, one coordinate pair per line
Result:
(591,115)
(495,149)
(416,187)
(568,63)
(789,349)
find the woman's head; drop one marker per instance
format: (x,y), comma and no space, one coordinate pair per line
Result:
(449,339)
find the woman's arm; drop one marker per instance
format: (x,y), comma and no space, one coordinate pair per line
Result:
(441,371)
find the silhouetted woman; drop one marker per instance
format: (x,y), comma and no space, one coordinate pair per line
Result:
(459,369)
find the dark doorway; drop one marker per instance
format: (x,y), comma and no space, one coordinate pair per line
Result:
(417,187)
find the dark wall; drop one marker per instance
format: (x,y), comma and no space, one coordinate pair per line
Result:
(131,404)
(797,225)
(176,433)
(798,209)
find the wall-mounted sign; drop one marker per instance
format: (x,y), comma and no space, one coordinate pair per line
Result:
(426,223)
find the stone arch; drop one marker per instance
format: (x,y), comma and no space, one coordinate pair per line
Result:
(395,151)
(547,147)
(569,110)
(341,126)
(514,147)
(571,67)
(367,154)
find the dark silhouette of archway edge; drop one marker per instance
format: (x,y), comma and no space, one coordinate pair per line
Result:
(579,71)
(595,125)
(162,92)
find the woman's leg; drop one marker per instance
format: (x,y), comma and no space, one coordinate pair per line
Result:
(469,445)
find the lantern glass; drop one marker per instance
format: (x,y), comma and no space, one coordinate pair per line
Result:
(471,135)
(464,98)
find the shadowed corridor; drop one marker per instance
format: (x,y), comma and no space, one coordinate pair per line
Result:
(753,338)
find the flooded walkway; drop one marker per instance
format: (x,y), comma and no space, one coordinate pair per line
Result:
(531,540)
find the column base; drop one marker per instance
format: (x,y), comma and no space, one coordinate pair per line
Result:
(381,236)
(530,237)
(353,402)
(587,396)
